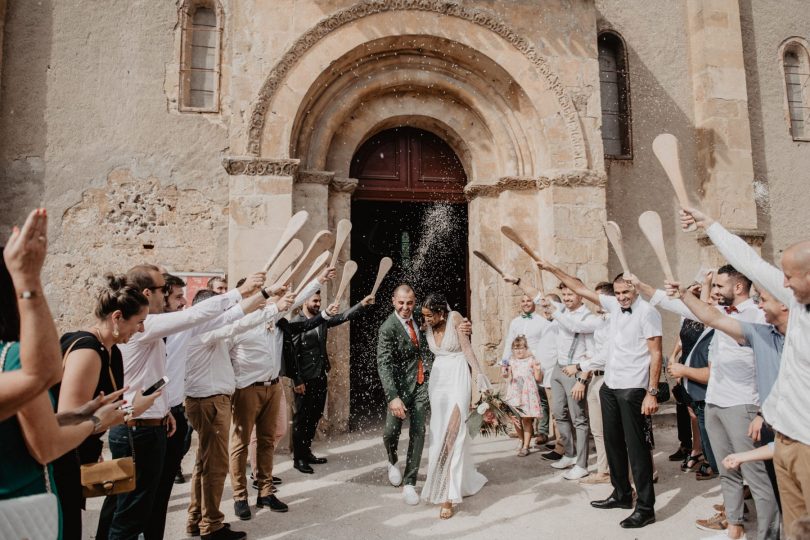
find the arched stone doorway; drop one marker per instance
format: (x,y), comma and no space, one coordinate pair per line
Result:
(409,205)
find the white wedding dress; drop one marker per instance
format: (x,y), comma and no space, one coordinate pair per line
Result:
(451,471)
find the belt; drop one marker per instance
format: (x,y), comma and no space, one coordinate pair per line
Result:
(271,382)
(147,422)
(784,438)
(598,373)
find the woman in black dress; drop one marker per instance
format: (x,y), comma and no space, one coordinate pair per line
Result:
(93,365)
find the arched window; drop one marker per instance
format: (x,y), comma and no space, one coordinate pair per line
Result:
(796,65)
(200,56)
(615,90)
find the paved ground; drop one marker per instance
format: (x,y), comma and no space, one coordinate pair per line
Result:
(350,498)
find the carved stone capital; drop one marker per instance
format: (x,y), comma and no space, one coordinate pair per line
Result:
(315,177)
(343,185)
(260,167)
(754,237)
(366,8)
(560,178)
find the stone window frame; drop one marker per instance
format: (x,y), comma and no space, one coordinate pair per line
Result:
(187,12)
(625,109)
(801,49)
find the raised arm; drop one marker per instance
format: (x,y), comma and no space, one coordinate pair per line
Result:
(708,315)
(40,355)
(570,281)
(588,324)
(353,312)
(646,290)
(740,255)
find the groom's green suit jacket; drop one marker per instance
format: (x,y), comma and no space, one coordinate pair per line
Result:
(398,358)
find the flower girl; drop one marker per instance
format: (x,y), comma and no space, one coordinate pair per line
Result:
(523,372)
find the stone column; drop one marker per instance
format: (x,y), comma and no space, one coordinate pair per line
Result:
(336,417)
(560,214)
(260,204)
(725,165)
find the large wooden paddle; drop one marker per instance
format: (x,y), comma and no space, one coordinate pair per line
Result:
(316,267)
(293,227)
(385,265)
(348,272)
(650,223)
(488,261)
(344,227)
(665,148)
(510,233)
(614,236)
(286,259)
(322,241)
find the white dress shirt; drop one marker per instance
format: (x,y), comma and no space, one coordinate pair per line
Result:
(144,355)
(628,362)
(541,335)
(209,371)
(568,352)
(596,358)
(257,353)
(177,353)
(732,371)
(404,323)
(787,407)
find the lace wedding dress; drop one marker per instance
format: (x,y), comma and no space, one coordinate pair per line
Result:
(451,471)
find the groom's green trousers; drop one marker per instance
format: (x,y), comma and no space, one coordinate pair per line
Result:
(417,410)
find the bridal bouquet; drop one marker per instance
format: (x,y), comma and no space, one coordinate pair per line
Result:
(491,416)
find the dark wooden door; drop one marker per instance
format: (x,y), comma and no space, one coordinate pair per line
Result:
(408,164)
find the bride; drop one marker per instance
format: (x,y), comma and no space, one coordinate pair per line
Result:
(451,471)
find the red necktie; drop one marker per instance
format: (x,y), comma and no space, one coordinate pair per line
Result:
(420,371)
(731,309)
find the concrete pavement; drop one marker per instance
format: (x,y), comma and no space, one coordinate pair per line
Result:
(350,498)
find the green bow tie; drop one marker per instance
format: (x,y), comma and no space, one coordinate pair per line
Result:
(526,316)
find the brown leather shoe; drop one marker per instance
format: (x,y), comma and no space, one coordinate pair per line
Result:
(717,523)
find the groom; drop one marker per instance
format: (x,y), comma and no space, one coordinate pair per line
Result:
(403,362)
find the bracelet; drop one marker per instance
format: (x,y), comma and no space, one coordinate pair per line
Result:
(264,293)
(28,295)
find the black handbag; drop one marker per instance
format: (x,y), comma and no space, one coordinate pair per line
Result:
(681,395)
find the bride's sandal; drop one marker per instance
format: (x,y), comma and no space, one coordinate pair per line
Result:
(446,511)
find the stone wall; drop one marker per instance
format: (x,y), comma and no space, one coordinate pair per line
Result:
(781,164)
(87,129)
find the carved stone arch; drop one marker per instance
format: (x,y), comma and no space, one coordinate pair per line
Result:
(480,17)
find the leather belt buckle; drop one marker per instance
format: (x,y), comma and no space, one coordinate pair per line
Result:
(271,382)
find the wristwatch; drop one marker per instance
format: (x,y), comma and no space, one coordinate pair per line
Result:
(653,391)
(264,293)
(582,380)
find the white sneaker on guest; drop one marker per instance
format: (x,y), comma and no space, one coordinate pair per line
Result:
(564,462)
(576,473)
(394,476)
(409,495)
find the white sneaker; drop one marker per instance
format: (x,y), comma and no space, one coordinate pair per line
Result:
(564,462)
(409,495)
(394,476)
(576,473)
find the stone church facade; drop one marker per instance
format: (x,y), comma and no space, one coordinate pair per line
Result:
(186,133)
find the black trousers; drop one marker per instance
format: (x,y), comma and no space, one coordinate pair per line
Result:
(684,425)
(308,411)
(624,431)
(175,451)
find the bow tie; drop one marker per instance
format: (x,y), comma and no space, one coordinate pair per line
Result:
(627,310)
(526,316)
(731,309)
